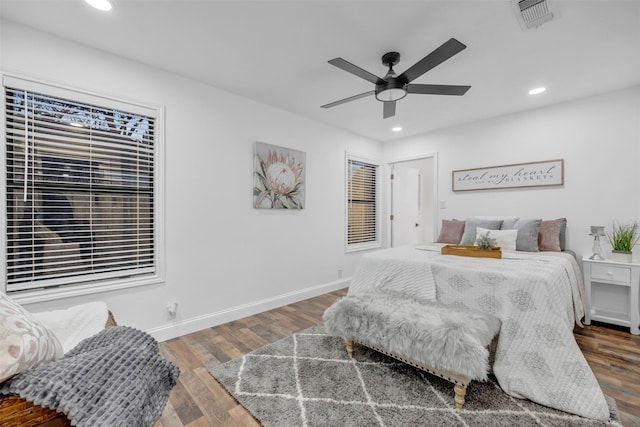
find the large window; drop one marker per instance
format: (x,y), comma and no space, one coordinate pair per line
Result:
(81,182)
(363,213)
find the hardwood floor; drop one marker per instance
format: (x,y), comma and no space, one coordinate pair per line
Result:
(198,400)
(614,356)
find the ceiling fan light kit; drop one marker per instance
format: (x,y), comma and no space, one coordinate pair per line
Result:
(393,87)
(391,94)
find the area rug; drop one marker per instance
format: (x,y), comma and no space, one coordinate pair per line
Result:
(308,380)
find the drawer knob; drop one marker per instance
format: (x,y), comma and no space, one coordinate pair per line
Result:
(610,273)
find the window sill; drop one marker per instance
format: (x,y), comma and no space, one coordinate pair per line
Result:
(362,247)
(43,295)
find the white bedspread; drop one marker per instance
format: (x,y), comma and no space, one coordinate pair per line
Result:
(402,271)
(537,296)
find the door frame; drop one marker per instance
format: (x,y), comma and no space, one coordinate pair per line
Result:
(389,202)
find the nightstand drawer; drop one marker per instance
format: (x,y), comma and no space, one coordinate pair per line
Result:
(608,272)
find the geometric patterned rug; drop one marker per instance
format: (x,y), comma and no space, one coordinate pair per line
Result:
(307,379)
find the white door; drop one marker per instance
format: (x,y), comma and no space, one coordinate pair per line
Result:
(406,226)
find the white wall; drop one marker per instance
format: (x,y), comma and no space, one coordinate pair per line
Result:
(224,259)
(598,137)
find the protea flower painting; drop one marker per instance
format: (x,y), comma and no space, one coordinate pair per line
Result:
(278,177)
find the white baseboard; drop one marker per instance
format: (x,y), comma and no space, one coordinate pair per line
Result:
(183,327)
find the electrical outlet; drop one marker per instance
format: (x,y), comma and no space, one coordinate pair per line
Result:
(172,310)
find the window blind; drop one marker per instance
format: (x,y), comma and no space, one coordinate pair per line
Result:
(79,191)
(362,223)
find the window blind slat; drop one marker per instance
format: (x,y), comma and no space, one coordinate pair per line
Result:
(80,191)
(362,221)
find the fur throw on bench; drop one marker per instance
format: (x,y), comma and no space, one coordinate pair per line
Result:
(430,333)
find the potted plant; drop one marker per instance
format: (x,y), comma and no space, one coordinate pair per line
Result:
(484,247)
(622,239)
(484,241)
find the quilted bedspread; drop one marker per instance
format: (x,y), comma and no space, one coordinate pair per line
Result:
(537,296)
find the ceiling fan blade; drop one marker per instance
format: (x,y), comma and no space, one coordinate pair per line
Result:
(355,70)
(437,89)
(389,109)
(437,57)
(351,98)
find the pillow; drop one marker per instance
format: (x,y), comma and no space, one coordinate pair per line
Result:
(73,324)
(527,233)
(24,342)
(549,235)
(502,218)
(509,224)
(469,236)
(451,231)
(506,239)
(563,234)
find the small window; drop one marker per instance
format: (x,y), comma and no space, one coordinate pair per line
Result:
(363,207)
(81,177)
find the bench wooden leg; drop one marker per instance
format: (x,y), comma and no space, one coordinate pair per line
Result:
(349,345)
(460,392)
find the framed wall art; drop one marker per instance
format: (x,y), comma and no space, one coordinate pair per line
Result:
(533,174)
(278,177)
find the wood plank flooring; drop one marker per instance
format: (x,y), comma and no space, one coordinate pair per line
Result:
(198,400)
(614,356)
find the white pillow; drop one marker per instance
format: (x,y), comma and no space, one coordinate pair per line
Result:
(75,323)
(506,239)
(24,341)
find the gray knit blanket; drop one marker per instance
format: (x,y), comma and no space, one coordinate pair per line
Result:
(114,378)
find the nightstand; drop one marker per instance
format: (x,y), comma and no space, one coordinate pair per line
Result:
(611,290)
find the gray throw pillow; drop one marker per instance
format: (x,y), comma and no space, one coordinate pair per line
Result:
(469,236)
(563,234)
(509,224)
(527,233)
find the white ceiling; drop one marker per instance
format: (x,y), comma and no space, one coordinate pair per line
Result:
(276,52)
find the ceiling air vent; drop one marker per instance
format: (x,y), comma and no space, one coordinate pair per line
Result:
(533,13)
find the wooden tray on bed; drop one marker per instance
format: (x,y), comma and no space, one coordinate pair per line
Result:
(471,251)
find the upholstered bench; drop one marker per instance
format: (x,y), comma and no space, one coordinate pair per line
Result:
(448,342)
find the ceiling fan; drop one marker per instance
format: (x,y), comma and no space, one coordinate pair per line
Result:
(392,87)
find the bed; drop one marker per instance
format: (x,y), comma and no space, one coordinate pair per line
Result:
(536,295)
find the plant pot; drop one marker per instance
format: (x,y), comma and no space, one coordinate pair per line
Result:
(621,256)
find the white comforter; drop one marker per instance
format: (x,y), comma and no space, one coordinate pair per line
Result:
(537,296)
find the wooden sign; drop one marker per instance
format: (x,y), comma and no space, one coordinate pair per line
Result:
(534,174)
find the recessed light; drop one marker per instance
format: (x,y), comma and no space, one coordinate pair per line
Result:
(100,4)
(537,90)
(396,128)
